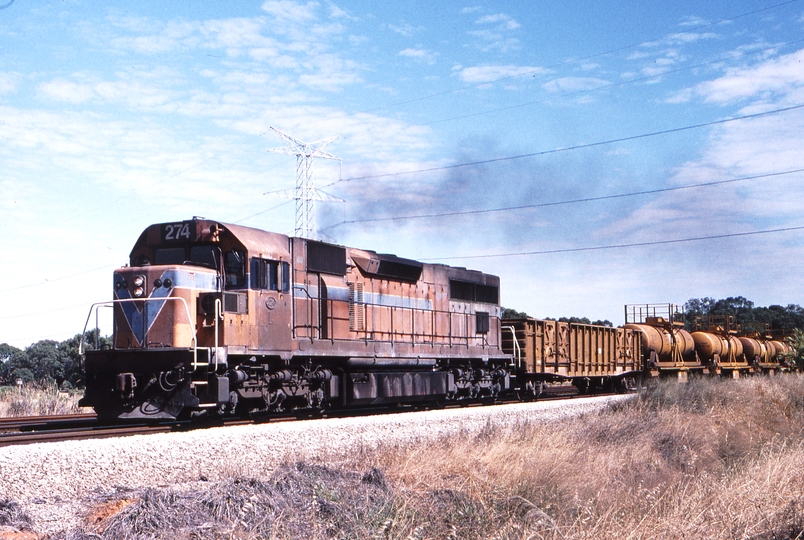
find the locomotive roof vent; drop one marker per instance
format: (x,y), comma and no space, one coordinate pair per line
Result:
(388,266)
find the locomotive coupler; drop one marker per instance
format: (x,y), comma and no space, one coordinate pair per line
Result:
(126,383)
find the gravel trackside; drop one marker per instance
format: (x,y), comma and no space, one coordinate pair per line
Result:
(51,481)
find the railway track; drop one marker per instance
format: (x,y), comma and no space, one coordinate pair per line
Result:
(20,431)
(19,423)
(43,429)
(38,429)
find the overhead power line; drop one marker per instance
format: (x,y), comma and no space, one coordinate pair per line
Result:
(567,201)
(607,86)
(621,246)
(569,148)
(60,278)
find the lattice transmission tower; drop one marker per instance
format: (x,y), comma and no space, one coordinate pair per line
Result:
(305,193)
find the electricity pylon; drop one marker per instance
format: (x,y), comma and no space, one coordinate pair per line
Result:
(305,193)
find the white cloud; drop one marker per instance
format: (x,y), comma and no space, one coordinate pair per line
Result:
(337,12)
(262,54)
(495,37)
(693,21)
(294,12)
(771,78)
(238,33)
(66,91)
(331,73)
(8,82)
(175,35)
(133,90)
(757,146)
(404,29)
(573,84)
(421,55)
(481,74)
(689,37)
(501,20)
(289,42)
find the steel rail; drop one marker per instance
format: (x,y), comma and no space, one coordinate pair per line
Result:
(47,432)
(16,423)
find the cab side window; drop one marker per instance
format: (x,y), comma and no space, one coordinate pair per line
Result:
(235,267)
(263,274)
(285,276)
(270,275)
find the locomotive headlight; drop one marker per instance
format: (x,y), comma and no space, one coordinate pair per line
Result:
(139,286)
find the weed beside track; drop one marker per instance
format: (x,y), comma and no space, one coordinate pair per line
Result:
(38,400)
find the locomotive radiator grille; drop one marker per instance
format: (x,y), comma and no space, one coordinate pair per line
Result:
(357,319)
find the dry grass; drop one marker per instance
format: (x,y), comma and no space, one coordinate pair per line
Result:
(13,516)
(38,401)
(709,459)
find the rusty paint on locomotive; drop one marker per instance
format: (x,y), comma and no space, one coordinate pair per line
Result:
(239,310)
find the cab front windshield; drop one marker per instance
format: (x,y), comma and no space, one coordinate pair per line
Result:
(203,255)
(208,256)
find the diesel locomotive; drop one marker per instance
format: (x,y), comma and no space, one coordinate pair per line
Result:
(218,318)
(212,317)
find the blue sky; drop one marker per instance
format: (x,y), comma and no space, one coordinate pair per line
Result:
(498,120)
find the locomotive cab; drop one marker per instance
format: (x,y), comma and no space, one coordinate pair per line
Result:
(193,292)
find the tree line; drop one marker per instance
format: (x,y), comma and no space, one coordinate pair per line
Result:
(509,313)
(47,361)
(780,320)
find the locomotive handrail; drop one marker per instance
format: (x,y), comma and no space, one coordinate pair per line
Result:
(309,323)
(517,349)
(96,305)
(218,315)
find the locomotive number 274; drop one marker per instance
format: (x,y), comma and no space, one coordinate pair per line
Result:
(176,231)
